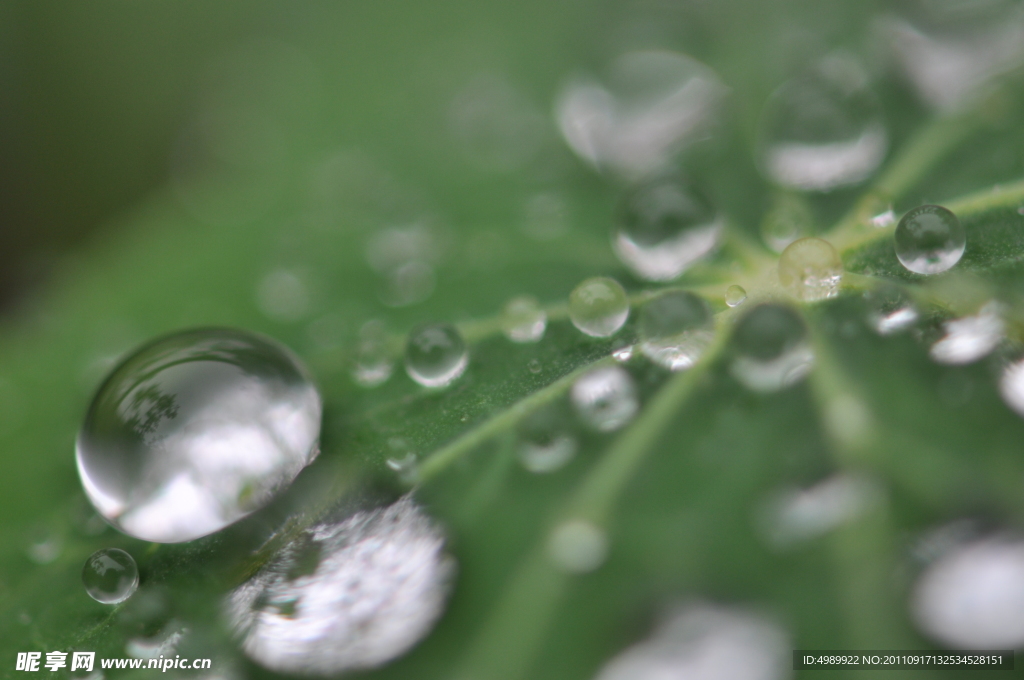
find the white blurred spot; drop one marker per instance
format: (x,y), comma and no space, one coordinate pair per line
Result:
(282,295)
(970,338)
(577,546)
(796,515)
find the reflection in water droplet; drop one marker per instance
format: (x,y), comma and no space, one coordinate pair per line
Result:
(345,595)
(823,129)
(706,642)
(973,597)
(577,546)
(810,269)
(970,338)
(544,445)
(663,228)
(735,296)
(788,219)
(195,431)
(771,348)
(110,576)
(796,515)
(599,306)
(891,311)
(929,240)
(282,295)
(373,365)
(605,398)
(407,467)
(435,355)
(523,319)
(655,102)
(675,329)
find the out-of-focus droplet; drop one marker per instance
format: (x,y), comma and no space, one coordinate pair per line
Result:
(282,295)
(623,354)
(654,103)
(735,296)
(890,310)
(406,257)
(675,328)
(788,219)
(495,126)
(929,240)
(523,319)
(373,364)
(578,546)
(599,306)
(970,338)
(810,269)
(162,644)
(1011,386)
(605,398)
(547,216)
(796,515)
(196,430)
(45,546)
(973,597)
(436,355)
(345,595)
(110,576)
(771,349)
(406,467)
(533,365)
(823,129)
(706,642)
(663,228)
(544,442)
(883,219)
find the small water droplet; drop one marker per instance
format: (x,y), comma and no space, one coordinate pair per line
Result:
(373,365)
(45,546)
(407,467)
(544,445)
(772,351)
(605,398)
(599,306)
(971,337)
(1011,386)
(793,516)
(405,257)
(884,219)
(523,319)
(282,295)
(533,365)
(196,430)
(162,644)
(436,355)
(110,576)
(810,269)
(675,328)
(623,354)
(735,296)
(577,546)
(890,310)
(823,129)
(929,240)
(788,219)
(664,228)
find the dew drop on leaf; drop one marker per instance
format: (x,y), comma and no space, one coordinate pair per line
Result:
(1011,386)
(810,269)
(605,398)
(533,365)
(373,364)
(890,310)
(578,546)
(624,353)
(929,240)
(675,328)
(523,319)
(196,430)
(792,516)
(435,355)
(599,306)
(735,296)
(788,219)
(110,576)
(771,349)
(970,338)
(406,467)
(544,444)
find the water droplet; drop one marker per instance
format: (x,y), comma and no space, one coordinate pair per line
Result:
(929,240)
(577,546)
(405,256)
(823,129)
(282,295)
(373,365)
(196,430)
(1011,386)
(970,338)
(523,320)
(544,445)
(883,219)
(788,219)
(973,597)
(546,217)
(436,355)
(796,515)
(599,306)
(623,354)
(407,467)
(810,269)
(533,365)
(346,595)
(771,348)
(675,328)
(735,296)
(605,398)
(110,576)
(663,228)
(45,546)
(706,642)
(162,644)
(890,310)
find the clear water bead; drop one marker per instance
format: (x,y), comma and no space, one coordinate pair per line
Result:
(110,576)
(663,228)
(373,364)
(810,269)
(605,398)
(735,296)
(523,319)
(771,349)
(675,329)
(544,444)
(890,310)
(930,240)
(599,306)
(196,430)
(436,355)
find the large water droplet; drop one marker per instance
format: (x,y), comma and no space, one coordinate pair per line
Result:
(971,337)
(544,443)
(810,269)
(823,129)
(577,546)
(891,311)
(196,430)
(929,240)
(706,642)
(110,576)
(663,228)
(523,319)
(605,398)
(346,595)
(435,355)
(973,597)
(675,329)
(598,306)
(771,348)
(735,296)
